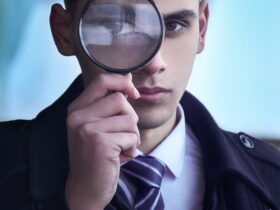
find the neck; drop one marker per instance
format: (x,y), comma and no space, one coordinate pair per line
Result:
(151,138)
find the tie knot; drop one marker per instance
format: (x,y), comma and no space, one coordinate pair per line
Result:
(145,170)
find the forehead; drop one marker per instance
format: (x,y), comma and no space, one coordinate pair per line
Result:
(169,6)
(165,6)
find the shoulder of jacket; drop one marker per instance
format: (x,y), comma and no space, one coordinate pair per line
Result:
(257,150)
(14,147)
(261,160)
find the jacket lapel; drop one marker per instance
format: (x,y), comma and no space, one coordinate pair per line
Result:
(48,145)
(221,153)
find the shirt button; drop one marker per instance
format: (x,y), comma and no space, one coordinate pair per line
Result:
(246,141)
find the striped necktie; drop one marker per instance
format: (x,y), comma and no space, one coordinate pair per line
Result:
(146,173)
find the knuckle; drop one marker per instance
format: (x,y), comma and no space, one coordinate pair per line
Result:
(73,119)
(85,131)
(120,100)
(130,83)
(127,84)
(136,118)
(134,138)
(118,96)
(128,78)
(101,80)
(71,107)
(132,119)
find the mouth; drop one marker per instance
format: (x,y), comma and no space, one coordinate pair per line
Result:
(153,95)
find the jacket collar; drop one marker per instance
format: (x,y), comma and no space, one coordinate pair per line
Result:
(49,155)
(223,154)
(48,144)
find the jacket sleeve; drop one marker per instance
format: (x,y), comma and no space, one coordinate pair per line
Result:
(14,176)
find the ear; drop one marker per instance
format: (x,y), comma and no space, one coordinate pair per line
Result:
(62,30)
(203,23)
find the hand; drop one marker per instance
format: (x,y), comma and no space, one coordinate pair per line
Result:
(102,133)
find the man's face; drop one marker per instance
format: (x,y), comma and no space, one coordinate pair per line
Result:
(162,82)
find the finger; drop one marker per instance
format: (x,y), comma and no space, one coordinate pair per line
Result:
(124,159)
(122,123)
(117,124)
(114,104)
(125,142)
(104,84)
(110,145)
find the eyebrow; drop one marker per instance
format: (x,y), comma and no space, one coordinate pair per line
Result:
(129,11)
(182,14)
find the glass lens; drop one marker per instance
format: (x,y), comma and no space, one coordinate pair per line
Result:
(121,35)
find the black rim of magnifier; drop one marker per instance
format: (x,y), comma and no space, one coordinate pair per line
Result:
(127,70)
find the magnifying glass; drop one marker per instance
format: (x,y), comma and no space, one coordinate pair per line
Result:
(121,36)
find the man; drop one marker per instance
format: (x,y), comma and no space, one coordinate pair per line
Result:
(77,153)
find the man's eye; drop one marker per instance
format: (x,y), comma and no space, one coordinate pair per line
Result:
(113,26)
(175,26)
(117,27)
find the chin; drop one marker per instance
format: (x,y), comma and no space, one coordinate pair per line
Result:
(150,120)
(147,125)
(152,116)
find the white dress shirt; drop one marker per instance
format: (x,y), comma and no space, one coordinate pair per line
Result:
(183,185)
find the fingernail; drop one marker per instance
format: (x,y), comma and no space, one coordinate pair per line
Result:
(137,94)
(129,76)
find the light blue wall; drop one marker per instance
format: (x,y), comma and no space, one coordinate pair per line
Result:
(237,77)
(37,74)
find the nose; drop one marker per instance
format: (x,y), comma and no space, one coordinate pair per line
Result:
(156,65)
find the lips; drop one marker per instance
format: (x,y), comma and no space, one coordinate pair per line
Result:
(154,90)
(153,94)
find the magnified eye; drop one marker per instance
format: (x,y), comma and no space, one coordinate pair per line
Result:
(114,26)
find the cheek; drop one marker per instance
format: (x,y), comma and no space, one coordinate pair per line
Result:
(180,54)
(181,50)
(89,69)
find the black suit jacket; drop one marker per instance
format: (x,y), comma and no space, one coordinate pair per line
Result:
(241,173)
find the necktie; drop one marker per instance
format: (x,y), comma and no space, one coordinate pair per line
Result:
(146,173)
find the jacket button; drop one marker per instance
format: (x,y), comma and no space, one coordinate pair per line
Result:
(246,141)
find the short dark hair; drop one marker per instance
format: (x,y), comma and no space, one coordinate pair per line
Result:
(70,5)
